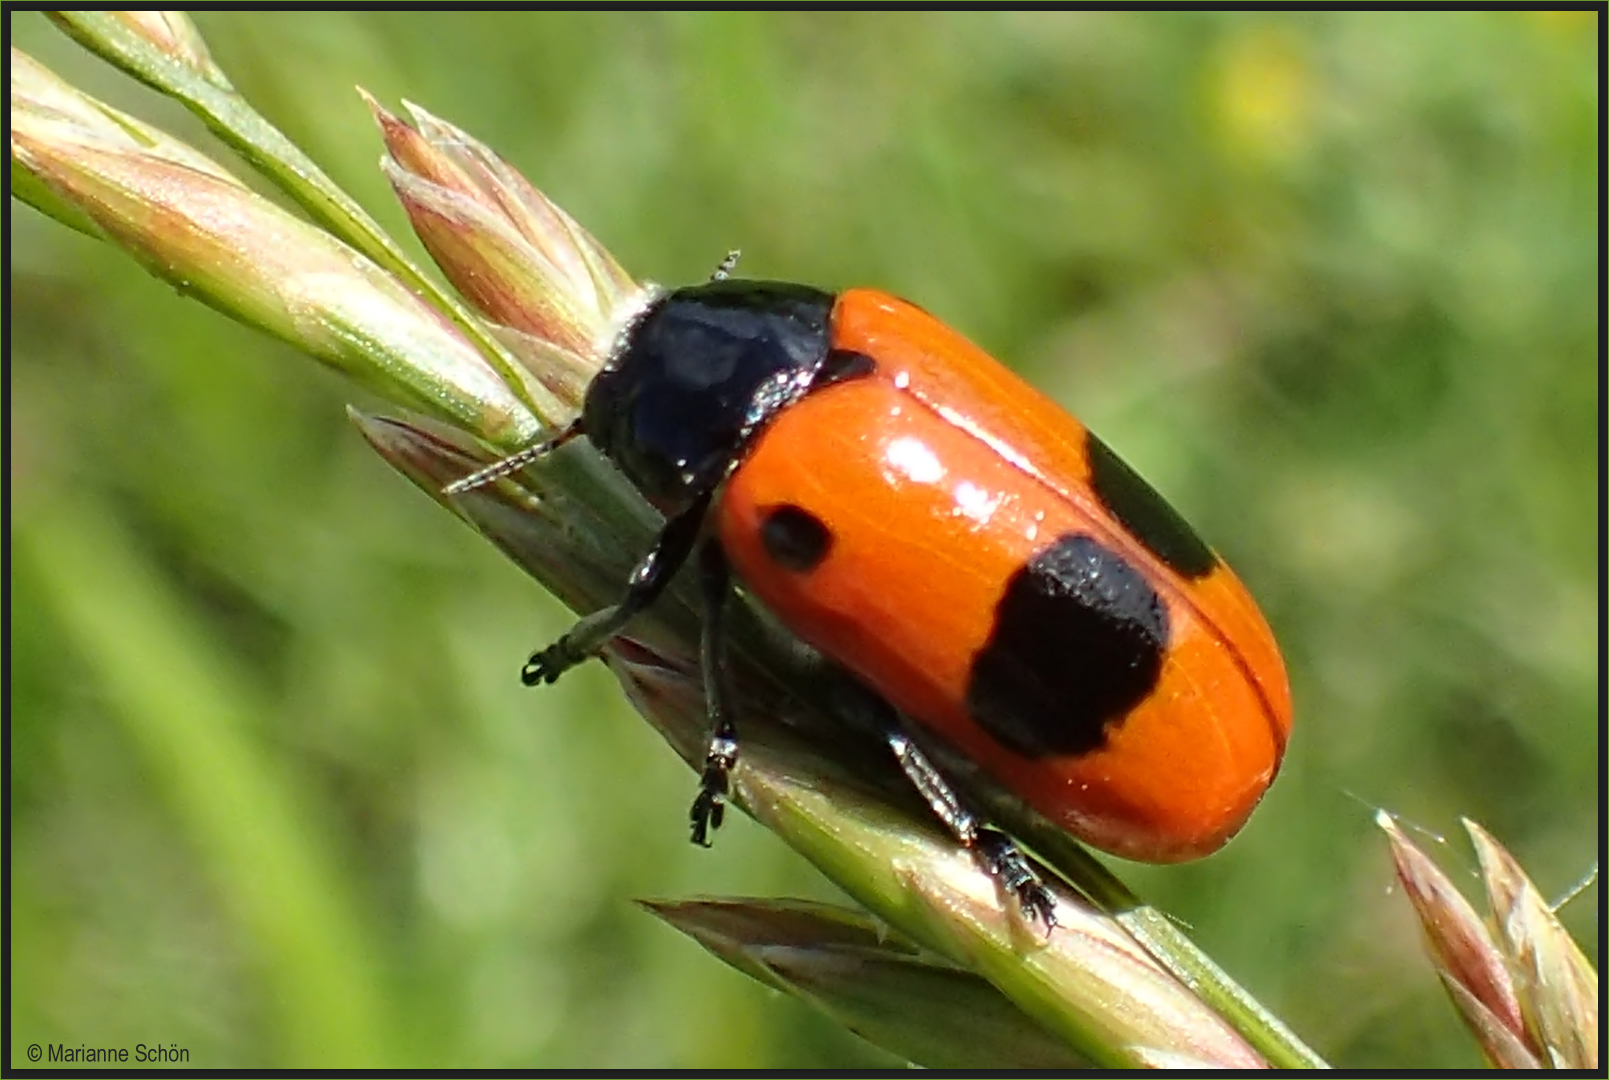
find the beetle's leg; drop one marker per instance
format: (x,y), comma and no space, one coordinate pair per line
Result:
(648,580)
(871,715)
(998,852)
(715,583)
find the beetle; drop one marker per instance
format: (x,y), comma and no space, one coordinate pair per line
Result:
(993,578)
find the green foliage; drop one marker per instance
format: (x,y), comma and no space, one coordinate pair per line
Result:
(1329,281)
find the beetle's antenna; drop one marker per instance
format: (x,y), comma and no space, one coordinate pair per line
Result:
(728,264)
(511,464)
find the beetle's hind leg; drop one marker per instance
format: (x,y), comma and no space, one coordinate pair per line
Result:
(994,850)
(715,585)
(674,543)
(998,853)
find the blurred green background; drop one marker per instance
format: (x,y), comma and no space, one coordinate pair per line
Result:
(1329,281)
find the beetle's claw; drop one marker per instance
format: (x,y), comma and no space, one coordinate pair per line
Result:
(1005,860)
(546,665)
(709,808)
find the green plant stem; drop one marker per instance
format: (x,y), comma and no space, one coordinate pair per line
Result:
(1173,949)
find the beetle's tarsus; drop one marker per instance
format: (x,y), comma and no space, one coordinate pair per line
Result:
(709,806)
(1007,863)
(546,665)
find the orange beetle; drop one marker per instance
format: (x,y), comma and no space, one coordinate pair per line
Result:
(996,580)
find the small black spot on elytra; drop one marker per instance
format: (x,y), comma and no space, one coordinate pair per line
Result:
(1078,641)
(1146,514)
(795,538)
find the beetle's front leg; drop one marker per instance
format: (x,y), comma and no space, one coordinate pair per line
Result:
(647,582)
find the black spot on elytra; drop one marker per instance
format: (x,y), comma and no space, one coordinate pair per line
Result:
(796,539)
(1078,641)
(1146,514)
